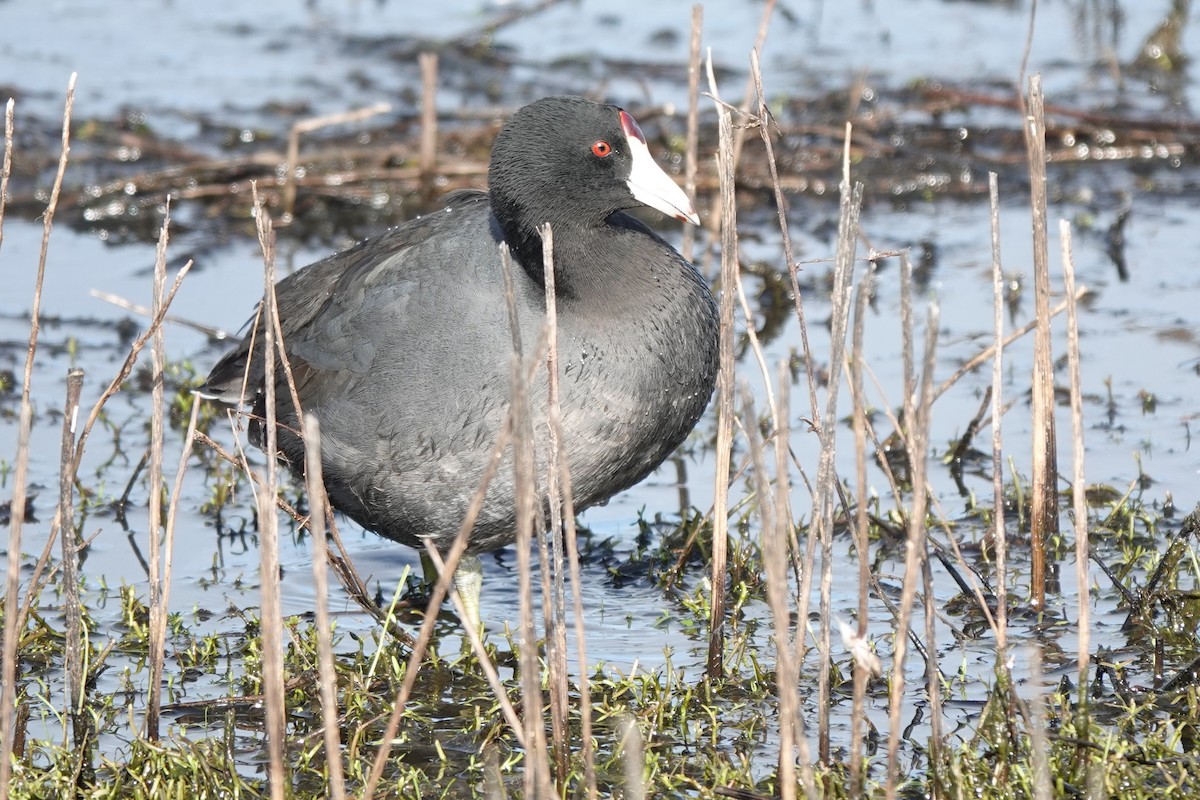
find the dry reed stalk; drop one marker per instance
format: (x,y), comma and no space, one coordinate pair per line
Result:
(729,266)
(315,484)
(559,486)
(537,764)
(861,533)
(1044,505)
(788,253)
(825,487)
(774,553)
(126,369)
(690,165)
(344,565)
(74,661)
(6,165)
(271,616)
(917,417)
(999,532)
(288,178)
(14,622)
(552,575)
(436,595)
(429,120)
(1079,491)
(908,412)
(158,610)
(786,534)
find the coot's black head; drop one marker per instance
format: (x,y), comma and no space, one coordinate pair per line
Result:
(572,162)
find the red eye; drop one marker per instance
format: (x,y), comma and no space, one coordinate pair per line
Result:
(601,149)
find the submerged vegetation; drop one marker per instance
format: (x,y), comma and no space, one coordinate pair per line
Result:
(848,632)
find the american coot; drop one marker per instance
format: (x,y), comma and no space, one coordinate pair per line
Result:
(401,345)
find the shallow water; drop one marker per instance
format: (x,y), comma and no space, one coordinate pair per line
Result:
(182,66)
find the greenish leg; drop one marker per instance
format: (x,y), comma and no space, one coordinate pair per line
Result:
(468,582)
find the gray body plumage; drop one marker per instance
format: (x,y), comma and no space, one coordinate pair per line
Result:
(401,347)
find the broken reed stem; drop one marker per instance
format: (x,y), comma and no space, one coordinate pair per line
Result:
(917,415)
(690,163)
(861,531)
(1078,483)
(73,657)
(999,532)
(315,485)
(289,178)
(552,574)
(429,120)
(158,611)
(824,503)
(14,622)
(6,165)
(537,767)
(725,388)
(272,620)
(1044,505)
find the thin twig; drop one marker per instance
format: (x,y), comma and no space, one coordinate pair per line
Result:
(988,352)
(216,334)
